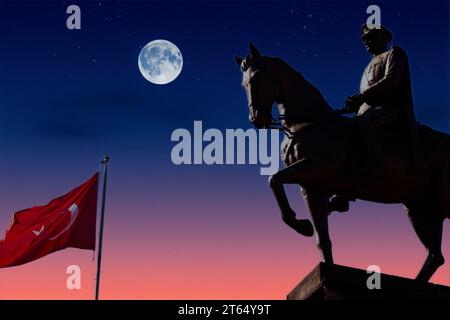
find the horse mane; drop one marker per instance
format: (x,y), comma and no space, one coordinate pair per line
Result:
(305,98)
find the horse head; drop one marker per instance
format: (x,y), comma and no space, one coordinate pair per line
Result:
(269,80)
(258,86)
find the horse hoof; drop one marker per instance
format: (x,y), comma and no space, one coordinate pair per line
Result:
(304,227)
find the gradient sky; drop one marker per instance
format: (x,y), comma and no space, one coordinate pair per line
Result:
(190,232)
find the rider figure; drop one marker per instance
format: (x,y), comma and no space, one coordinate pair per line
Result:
(384,101)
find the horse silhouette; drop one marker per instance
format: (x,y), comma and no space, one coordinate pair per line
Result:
(325,156)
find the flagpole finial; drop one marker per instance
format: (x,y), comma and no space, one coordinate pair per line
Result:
(105,159)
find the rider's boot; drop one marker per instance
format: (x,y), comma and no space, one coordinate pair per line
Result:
(338,203)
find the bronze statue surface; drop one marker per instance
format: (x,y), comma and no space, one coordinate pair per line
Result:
(331,156)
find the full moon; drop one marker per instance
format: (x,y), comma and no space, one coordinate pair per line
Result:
(160,61)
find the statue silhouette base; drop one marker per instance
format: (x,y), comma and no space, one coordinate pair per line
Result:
(337,282)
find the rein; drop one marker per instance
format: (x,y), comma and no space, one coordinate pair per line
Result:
(276,121)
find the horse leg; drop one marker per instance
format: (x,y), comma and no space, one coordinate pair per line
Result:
(302,226)
(297,173)
(428,228)
(317,204)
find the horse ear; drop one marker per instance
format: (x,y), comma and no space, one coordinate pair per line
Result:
(238,60)
(253,50)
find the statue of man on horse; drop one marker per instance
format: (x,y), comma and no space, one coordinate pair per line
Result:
(383,145)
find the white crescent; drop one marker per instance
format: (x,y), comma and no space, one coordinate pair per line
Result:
(73,209)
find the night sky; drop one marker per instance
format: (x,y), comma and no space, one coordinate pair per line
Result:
(69,97)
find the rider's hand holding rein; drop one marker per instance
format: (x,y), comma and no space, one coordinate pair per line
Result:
(353,103)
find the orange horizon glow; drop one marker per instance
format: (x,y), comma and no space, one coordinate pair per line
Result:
(150,263)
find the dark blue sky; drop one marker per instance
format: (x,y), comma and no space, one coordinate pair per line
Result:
(68,97)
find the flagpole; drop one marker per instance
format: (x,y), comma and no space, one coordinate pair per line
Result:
(102,218)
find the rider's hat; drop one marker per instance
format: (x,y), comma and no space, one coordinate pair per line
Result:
(365,30)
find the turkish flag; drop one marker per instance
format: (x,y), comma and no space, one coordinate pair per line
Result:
(67,221)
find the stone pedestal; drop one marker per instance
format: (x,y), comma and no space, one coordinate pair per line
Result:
(337,282)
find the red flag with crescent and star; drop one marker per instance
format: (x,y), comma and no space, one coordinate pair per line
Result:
(67,221)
